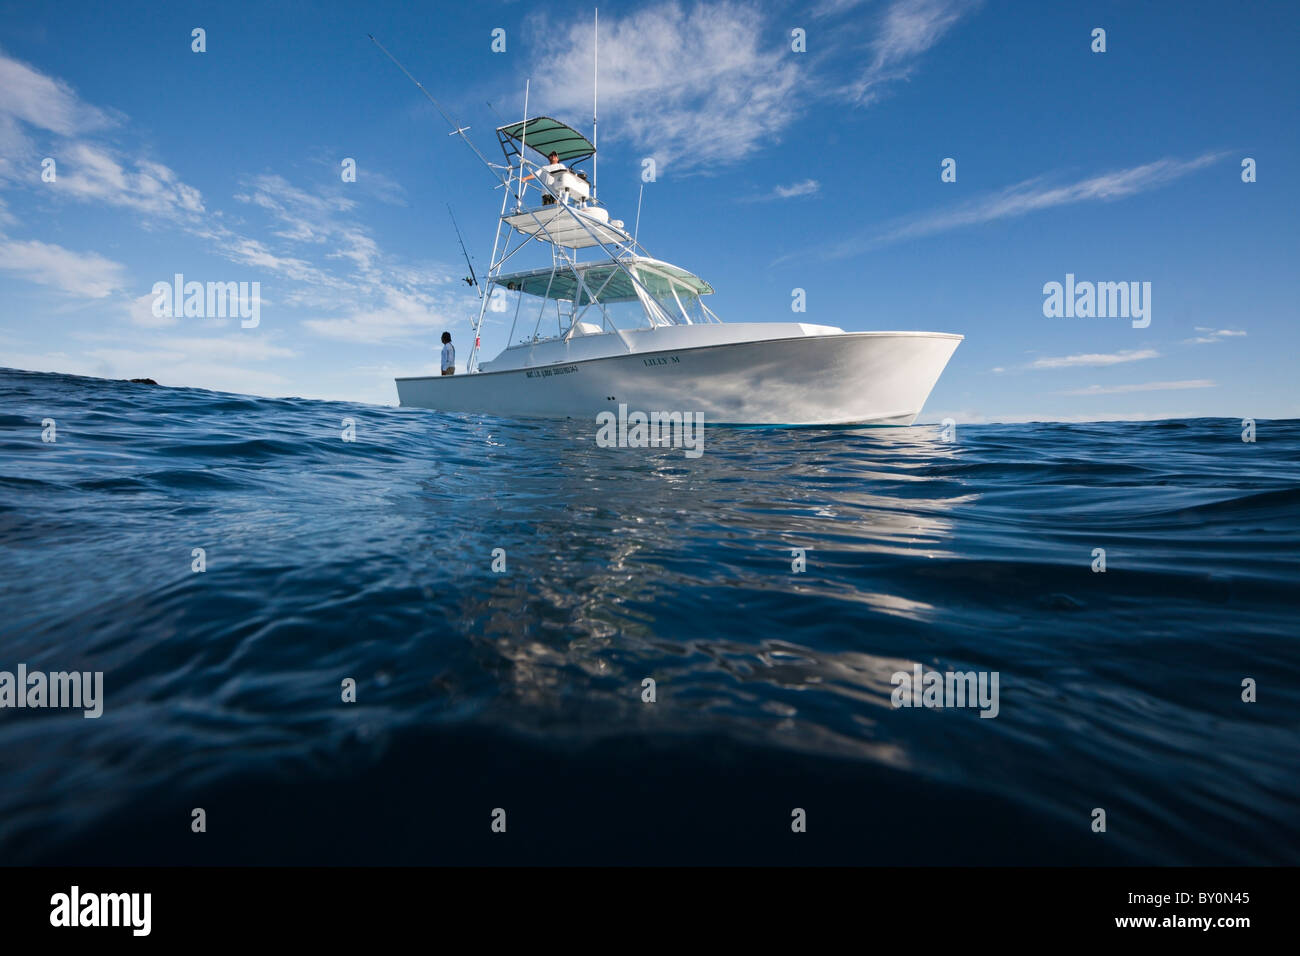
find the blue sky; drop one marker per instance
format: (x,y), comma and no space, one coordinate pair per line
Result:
(776,170)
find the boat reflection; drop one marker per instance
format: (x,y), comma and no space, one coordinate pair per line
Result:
(591,606)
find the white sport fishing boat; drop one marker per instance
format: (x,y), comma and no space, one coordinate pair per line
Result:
(620,328)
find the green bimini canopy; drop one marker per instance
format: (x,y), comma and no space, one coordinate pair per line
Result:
(617,287)
(547,136)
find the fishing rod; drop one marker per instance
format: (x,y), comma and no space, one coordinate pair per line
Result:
(472,279)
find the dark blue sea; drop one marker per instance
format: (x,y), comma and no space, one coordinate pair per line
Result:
(371,560)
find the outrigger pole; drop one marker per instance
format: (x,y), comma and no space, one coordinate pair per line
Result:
(595,97)
(456,128)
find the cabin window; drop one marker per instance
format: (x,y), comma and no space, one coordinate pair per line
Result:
(680,302)
(627,314)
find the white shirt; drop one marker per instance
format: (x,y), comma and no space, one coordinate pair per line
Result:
(448,356)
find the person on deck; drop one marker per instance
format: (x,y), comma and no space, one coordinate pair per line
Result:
(553,166)
(448,355)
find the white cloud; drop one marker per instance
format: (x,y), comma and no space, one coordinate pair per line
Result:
(805,188)
(690,87)
(1094,359)
(311,219)
(1032,195)
(1215,335)
(30,99)
(830,8)
(140,312)
(86,170)
(251,252)
(1144,387)
(714,82)
(809,187)
(92,173)
(908,28)
(382,187)
(371,299)
(84,274)
(402,316)
(240,346)
(322,258)
(306,217)
(37,100)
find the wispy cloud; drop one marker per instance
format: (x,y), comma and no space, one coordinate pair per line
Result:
(31,100)
(1143,387)
(140,313)
(92,173)
(1034,195)
(809,187)
(83,274)
(1023,198)
(36,99)
(369,298)
(310,241)
(805,188)
(831,8)
(713,82)
(399,315)
(1213,335)
(313,219)
(1093,359)
(908,28)
(36,109)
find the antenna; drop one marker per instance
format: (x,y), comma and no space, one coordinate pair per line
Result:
(523,142)
(595,89)
(473,279)
(637,229)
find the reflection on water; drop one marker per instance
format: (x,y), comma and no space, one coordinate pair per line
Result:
(372,560)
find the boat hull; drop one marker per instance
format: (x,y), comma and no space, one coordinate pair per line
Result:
(851,378)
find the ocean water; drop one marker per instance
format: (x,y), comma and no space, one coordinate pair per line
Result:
(371,560)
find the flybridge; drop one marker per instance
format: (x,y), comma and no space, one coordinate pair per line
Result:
(546,136)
